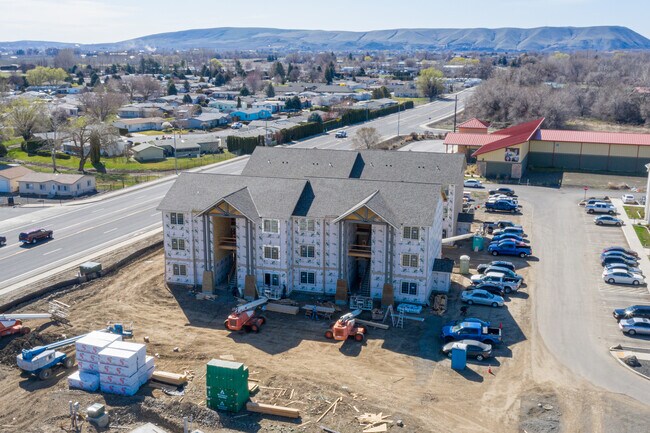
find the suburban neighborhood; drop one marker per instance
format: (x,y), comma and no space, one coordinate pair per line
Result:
(227,224)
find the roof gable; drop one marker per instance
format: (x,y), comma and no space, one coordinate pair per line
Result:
(474,123)
(511,136)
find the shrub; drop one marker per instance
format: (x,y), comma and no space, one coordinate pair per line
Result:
(3,151)
(49,154)
(32,145)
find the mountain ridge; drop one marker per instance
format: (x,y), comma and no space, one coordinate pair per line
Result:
(597,38)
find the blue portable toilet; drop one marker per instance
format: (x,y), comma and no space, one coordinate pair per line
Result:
(458,356)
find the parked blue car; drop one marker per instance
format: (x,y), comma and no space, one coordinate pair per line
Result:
(507,236)
(510,248)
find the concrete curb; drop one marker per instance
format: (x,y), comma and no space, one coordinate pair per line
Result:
(632,239)
(613,350)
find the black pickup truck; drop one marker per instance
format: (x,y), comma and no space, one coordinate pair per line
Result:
(3,241)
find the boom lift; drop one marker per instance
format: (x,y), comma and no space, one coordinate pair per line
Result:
(245,316)
(347,327)
(40,360)
(13,323)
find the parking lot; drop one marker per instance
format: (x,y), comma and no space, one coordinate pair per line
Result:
(611,296)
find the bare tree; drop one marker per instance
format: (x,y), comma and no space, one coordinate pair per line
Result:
(147,86)
(254,80)
(366,138)
(80,130)
(64,59)
(26,117)
(55,124)
(102,103)
(128,86)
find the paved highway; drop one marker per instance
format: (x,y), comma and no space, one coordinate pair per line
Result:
(82,230)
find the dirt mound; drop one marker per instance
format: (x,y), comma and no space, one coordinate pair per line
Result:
(540,413)
(10,347)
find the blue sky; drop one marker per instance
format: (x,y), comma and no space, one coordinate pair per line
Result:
(89,21)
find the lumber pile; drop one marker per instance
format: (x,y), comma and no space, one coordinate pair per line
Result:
(282,308)
(169,378)
(439,305)
(374,422)
(270,409)
(375,324)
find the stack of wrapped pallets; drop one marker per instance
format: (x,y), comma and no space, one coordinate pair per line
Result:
(117,367)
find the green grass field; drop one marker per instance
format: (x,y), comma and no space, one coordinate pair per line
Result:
(120,163)
(416,101)
(643,234)
(635,212)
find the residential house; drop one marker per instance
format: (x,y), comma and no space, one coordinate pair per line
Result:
(140,124)
(251,114)
(56,185)
(226,105)
(272,106)
(208,121)
(375,104)
(180,147)
(147,152)
(133,111)
(9,176)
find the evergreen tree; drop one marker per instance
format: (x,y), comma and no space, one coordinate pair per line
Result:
(186,86)
(94,79)
(238,102)
(187,99)
(171,88)
(270,91)
(244,91)
(330,72)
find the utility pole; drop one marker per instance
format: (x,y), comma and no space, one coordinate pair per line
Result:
(175,153)
(398,110)
(455,110)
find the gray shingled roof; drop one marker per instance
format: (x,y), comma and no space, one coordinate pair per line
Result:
(397,202)
(425,167)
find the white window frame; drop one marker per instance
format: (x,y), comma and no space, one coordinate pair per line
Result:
(307,225)
(271,229)
(178,244)
(306,249)
(271,249)
(304,278)
(272,277)
(410,260)
(177,218)
(179,270)
(409,285)
(408,233)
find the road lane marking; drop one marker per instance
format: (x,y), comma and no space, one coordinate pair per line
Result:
(53,251)
(111,230)
(155,214)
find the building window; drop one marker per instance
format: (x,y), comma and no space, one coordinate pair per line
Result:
(176,218)
(271,280)
(306,225)
(411,233)
(307,278)
(179,270)
(410,260)
(307,251)
(178,244)
(29,186)
(271,226)
(78,186)
(272,253)
(42,187)
(409,288)
(88,183)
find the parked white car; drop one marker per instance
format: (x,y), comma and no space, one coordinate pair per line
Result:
(628,199)
(621,276)
(237,125)
(483,297)
(473,183)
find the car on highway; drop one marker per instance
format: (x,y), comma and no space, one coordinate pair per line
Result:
(475,349)
(510,248)
(622,249)
(601,207)
(341,134)
(619,276)
(503,190)
(628,199)
(617,260)
(473,183)
(635,325)
(608,220)
(35,235)
(3,241)
(500,263)
(642,311)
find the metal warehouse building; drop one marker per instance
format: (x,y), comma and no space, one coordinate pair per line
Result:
(509,152)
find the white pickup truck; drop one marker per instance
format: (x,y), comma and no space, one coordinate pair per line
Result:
(601,207)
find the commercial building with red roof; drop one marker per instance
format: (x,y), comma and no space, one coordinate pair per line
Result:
(509,152)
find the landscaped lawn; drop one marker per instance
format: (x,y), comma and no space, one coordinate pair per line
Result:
(643,234)
(416,101)
(121,163)
(179,131)
(635,212)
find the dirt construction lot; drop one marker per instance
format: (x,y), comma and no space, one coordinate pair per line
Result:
(398,372)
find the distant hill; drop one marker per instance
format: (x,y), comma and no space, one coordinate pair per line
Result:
(602,38)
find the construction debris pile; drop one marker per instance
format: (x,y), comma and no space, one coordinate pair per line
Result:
(111,365)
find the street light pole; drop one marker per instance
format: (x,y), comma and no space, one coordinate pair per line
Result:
(175,153)
(455,110)
(398,111)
